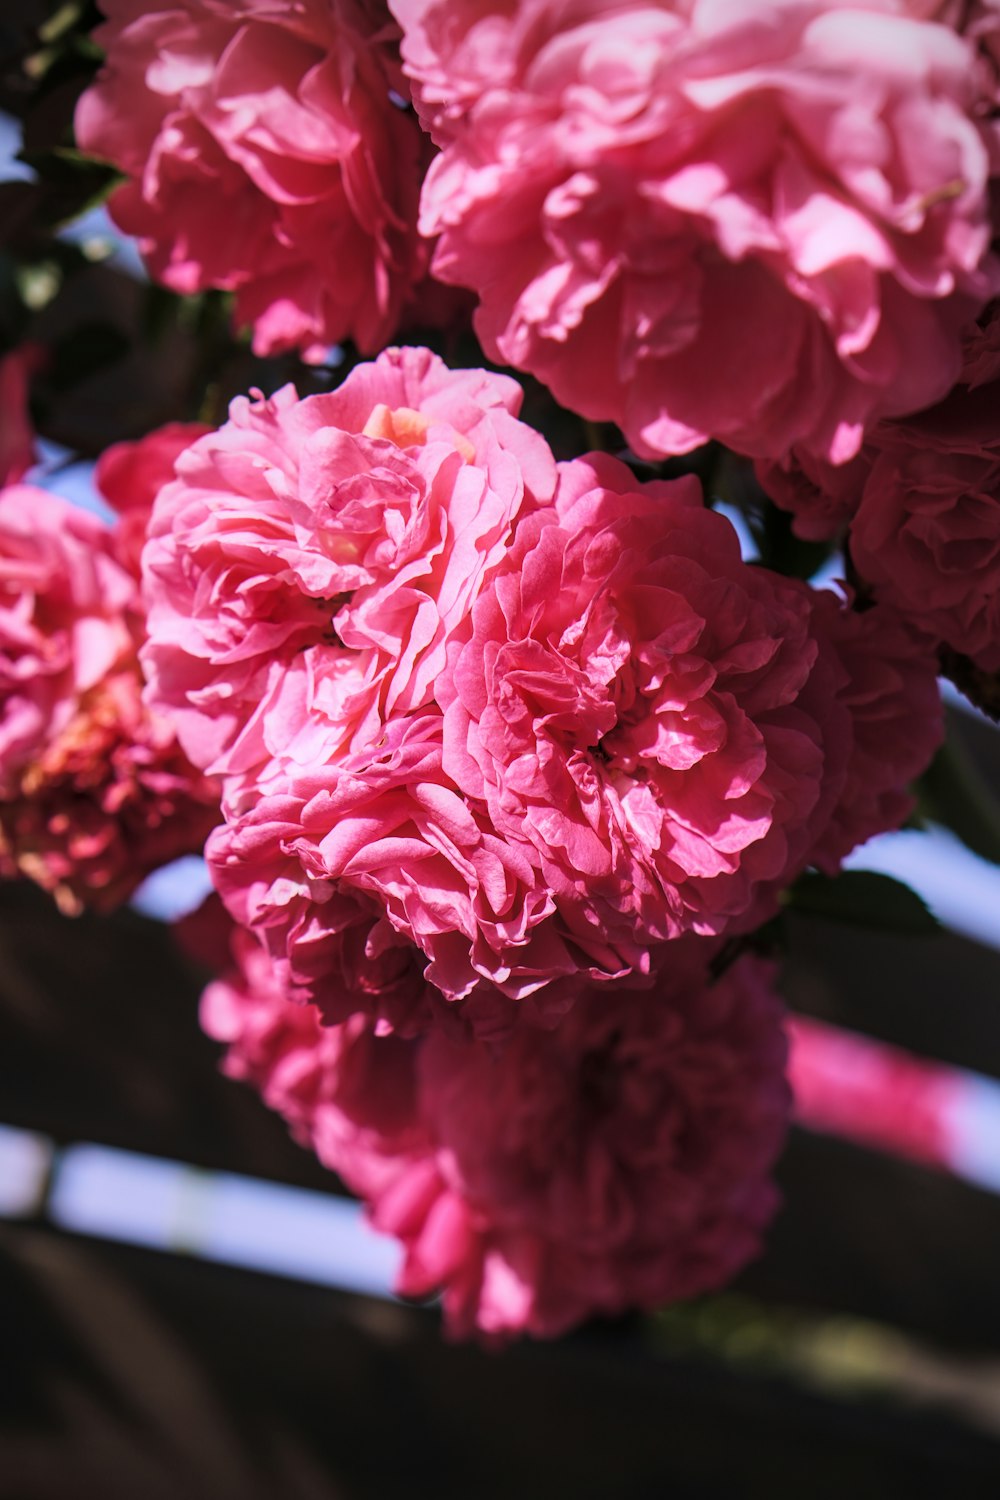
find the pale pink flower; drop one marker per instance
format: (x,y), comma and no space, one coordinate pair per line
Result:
(94,790)
(265,154)
(706,219)
(308,566)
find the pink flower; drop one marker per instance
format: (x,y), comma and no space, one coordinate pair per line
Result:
(383,837)
(894,701)
(702,219)
(619,1161)
(346,1092)
(822,497)
(310,563)
(926,535)
(664,731)
(643,737)
(265,155)
(921,504)
(94,790)
(328,947)
(131,474)
(63,620)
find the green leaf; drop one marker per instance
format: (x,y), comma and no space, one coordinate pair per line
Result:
(71,183)
(953,792)
(862,899)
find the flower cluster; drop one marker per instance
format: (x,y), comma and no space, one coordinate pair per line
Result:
(508,753)
(533,718)
(95,792)
(505,745)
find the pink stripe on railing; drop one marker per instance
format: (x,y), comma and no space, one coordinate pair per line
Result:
(883,1097)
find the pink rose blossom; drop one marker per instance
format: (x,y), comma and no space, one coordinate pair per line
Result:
(384,835)
(926,536)
(643,737)
(822,497)
(265,155)
(703,219)
(308,566)
(663,730)
(619,1161)
(94,790)
(921,505)
(346,1092)
(328,947)
(63,625)
(131,474)
(894,701)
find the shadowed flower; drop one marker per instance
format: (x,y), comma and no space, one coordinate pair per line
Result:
(619,1161)
(921,507)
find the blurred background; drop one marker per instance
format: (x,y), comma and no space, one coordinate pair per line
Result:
(188,1308)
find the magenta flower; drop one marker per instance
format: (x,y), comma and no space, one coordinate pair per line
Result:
(619,1161)
(926,535)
